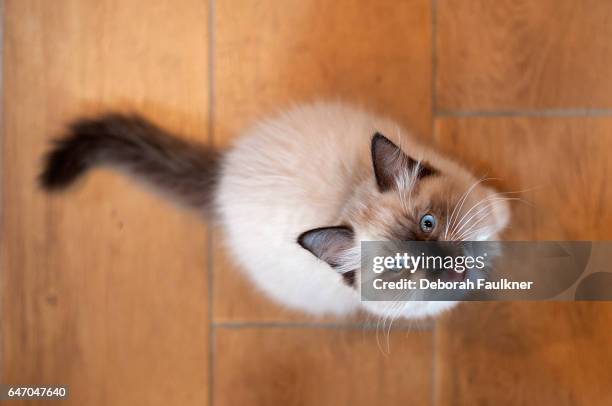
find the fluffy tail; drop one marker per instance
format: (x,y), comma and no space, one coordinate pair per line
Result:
(186,171)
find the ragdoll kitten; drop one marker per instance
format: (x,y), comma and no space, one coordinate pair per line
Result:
(297,193)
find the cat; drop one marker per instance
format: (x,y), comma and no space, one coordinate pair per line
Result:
(296,194)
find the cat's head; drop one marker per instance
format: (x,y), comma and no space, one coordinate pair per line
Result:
(408,197)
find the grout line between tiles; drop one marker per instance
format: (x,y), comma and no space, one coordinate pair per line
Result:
(209,230)
(211,369)
(434,140)
(569,112)
(434,69)
(314,325)
(2,134)
(434,366)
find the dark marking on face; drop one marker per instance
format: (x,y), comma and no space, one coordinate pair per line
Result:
(389,161)
(328,243)
(350,278)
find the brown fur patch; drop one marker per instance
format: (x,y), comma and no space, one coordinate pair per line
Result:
(396,214)
(184,170)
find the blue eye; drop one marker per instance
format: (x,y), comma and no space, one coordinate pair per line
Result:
(428,223)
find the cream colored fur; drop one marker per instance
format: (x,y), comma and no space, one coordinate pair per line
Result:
(311,167)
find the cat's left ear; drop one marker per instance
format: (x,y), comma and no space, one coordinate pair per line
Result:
(328,243)
(390,161)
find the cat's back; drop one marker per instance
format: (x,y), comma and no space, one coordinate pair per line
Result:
(297,169)
(311,153)
(288,174)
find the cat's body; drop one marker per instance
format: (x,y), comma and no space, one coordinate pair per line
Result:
(310,181)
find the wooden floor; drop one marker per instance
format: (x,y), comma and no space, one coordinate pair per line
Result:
(521,90)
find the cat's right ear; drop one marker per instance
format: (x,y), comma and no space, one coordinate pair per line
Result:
(328,243)
(389,162)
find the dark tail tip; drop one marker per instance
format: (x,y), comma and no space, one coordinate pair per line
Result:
(72,155)
(63,164)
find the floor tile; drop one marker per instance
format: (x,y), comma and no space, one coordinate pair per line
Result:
(321,367)
(560,166)
(98,275)
(269,55)
(532,352)
(508,55)
(525,354)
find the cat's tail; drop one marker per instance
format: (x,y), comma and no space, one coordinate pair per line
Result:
(184,170)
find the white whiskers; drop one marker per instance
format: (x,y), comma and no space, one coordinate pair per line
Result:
(460,204)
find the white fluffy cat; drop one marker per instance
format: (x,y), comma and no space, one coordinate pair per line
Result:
(297,193)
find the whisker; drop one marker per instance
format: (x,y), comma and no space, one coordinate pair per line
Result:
(490,200)
(383,318)
(481,219)
(502,194)
(462,200)
(395,316)
(493,202)
(469,236)
(450,219)
(387,312)
(450,224)
(486,198)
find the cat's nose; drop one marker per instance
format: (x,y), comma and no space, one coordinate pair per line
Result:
(452,275)
(446,250)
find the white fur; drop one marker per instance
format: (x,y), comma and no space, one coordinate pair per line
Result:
(291,174)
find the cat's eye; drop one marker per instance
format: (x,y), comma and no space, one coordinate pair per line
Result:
(428,223)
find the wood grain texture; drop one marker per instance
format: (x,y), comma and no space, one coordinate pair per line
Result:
(104,287)
(235,297)
(533,353)
(508,54)
(525,354)
(560,164)
(321,367)
(270,54)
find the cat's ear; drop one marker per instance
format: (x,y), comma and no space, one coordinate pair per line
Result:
(328,243)
(390,161)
